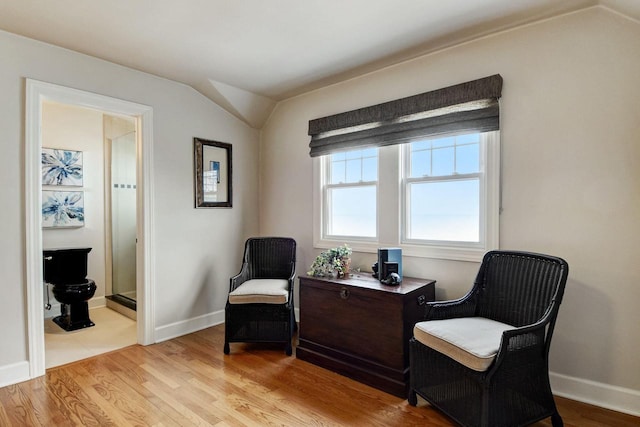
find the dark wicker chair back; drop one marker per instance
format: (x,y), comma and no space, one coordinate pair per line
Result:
(270,257)
(519,288)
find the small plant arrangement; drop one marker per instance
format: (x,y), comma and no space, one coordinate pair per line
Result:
(332,262)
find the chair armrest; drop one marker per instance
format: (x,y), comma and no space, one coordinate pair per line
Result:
(292,276)
(520,345)
(449,309)
(452,309)
(291,280)
(439,310)
(534,336)
(239,278)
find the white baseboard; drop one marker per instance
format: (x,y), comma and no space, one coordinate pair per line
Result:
(618,399)
(188,326)
(14,373)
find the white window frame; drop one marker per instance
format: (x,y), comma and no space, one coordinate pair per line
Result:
(391,208)
(326,207)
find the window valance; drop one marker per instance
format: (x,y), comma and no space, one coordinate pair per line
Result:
(465,107)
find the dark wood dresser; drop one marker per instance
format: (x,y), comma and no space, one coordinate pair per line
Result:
(361,328)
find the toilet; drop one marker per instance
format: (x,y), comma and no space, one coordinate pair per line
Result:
(66,270)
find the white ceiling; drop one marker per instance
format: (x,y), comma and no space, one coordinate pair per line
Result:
(247,54)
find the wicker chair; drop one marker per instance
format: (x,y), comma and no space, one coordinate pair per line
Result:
(498,375)
(260,303)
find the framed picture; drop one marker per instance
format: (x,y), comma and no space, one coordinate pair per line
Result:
(61,167)
(62,209)
(212,173)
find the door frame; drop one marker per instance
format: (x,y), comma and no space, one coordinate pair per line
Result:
(36,93)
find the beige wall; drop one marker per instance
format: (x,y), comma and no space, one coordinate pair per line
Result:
(571,177)
(197,250)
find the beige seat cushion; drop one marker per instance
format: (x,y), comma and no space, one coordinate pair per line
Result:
(261,291)
(471,341)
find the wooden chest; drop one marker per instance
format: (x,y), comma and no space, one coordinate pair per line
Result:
(361,328)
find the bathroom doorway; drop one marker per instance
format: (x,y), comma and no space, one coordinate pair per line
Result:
(100,150)
(37,93)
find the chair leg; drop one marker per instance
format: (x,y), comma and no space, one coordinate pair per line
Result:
(227,350)
(288,346)
(293,321)
(556,420)
(412,398)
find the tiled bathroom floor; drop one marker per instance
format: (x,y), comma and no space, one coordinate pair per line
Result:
(111,332)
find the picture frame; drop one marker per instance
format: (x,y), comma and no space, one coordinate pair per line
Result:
(61,167)
(62,209)
(212,173)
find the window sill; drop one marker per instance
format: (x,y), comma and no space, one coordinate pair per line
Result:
(449,253)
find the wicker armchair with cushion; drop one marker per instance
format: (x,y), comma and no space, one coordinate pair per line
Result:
(260,303)
(483,359)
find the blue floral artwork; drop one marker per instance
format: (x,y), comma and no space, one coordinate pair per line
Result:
(61,167)
(62,209)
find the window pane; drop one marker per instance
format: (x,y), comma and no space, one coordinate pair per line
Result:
(421,145)
(420,163)
(447,210)
(443,142)
(369,152)
(443,161)
(354,170)
(354,166)
(337,172)
(370,169)
(469,138)
(352,211)
(468,158)
(353,154)
(445,156)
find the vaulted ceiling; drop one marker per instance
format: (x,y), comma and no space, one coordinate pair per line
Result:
(247,55)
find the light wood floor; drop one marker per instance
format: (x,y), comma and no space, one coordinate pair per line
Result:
(188,381)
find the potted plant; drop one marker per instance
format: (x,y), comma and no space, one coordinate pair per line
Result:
(334,262)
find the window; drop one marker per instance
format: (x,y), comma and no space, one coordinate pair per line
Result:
(442,189)
(350,193)
(437,197)
(430,185)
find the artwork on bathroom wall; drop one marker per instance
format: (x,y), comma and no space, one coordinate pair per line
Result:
(62,209)
(61,167)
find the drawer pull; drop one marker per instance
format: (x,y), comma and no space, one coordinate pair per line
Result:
(344,293)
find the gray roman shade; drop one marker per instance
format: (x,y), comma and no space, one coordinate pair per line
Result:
(466,107)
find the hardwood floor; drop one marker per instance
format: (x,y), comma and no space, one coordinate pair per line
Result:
(188,381)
